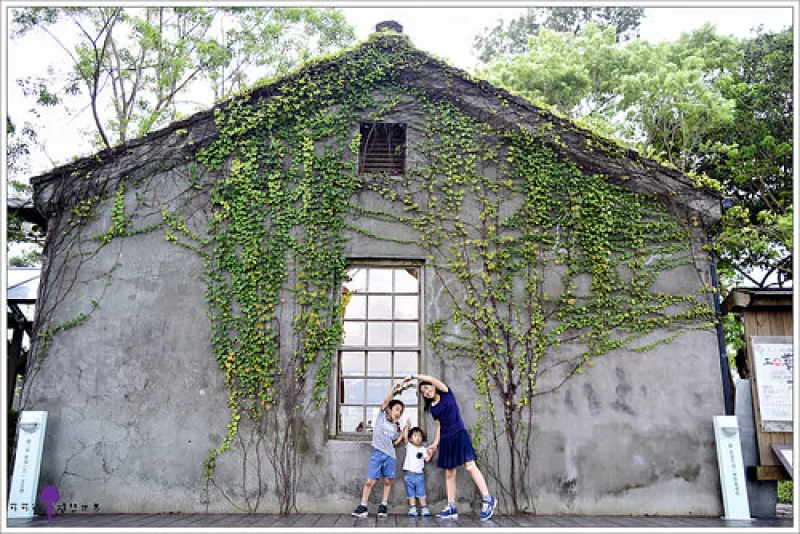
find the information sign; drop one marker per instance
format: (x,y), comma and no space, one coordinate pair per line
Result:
(731,467)
(30,442)
(773,362)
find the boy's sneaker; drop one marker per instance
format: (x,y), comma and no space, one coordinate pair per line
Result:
(360,511)
(383,510)
(448,513)
(426,511)
(487,509)
(412,512)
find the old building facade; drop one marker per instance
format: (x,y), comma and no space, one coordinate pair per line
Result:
(226,301)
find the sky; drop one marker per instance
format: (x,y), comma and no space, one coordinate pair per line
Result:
(447,31)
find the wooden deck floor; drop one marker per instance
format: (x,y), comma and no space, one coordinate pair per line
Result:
(401,522)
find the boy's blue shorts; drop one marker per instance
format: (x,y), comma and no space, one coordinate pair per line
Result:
(381,465)
(415,485)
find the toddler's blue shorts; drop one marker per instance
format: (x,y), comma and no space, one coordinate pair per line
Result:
(415,485)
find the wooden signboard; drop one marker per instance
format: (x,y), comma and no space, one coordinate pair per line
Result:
(772,364)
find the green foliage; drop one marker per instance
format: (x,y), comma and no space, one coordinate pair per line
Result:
(30,258)
(733,327)
(572,72)
(513,39)
(19,231)
(785,491)
(751,249)
(669,94)
(666,92)
(18,148)
(119,221)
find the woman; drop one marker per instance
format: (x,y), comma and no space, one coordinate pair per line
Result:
(452,441)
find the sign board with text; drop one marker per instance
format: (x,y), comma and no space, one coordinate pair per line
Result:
(773,363)
(25,480)
(731,467)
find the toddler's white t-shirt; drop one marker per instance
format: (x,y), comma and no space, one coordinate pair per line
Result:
(415,458)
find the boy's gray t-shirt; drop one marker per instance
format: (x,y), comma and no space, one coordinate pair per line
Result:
(384,434)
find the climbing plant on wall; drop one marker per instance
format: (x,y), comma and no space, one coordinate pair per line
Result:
(498,211)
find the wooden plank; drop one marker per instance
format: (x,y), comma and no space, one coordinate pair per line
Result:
(306,520)
(349,521)
(257,520)
(767,472)
(285,520)
(735,301)
(507,521)
(788,324)
(328,520)
(784,454)
(406,522)
(466,521)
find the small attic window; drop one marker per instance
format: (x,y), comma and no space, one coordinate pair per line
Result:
(383,148)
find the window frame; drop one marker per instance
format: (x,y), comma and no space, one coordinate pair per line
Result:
(337,384)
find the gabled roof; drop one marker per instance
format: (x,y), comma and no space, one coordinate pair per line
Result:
(750,298)
(496,106)
(25,210)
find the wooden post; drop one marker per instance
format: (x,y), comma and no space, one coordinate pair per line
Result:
(14,361)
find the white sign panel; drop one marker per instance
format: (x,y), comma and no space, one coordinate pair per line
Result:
(731,467)
(773,362)
(30,442)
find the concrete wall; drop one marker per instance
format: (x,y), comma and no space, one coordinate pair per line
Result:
(136,400)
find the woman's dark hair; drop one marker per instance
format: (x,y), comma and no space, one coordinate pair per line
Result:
(416,429)
(426,399)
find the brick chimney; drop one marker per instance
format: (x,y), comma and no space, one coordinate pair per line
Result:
(389,25)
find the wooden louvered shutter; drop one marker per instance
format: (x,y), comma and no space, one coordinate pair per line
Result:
(383,148)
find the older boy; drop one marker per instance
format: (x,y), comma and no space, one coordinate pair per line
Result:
(382,460)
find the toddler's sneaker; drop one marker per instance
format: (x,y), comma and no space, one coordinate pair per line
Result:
(487,509)
(448,513)
(426,512)
(360,511)
(412,512)
(383,511)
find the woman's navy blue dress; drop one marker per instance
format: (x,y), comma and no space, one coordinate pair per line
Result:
(455,447)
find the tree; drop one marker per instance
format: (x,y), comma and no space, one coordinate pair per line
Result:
(513,39)
(574,73)
(670,94)
(704,103)
(664,98)
(755,246)
(19,231)
(145,63)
